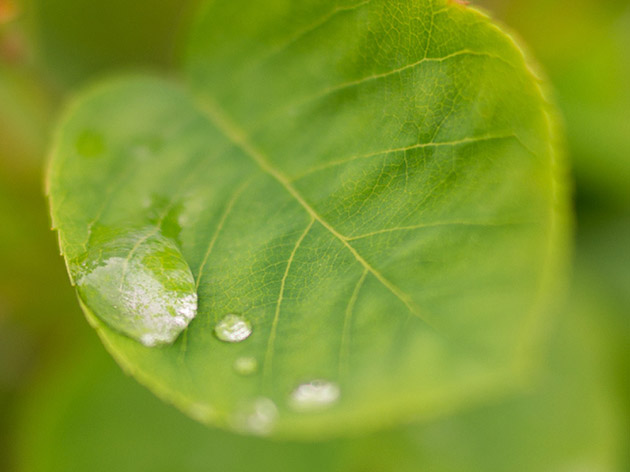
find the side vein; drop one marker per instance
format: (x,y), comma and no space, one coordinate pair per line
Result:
(234,133)
(459,142)
(228,209)
(344,348)
(353,83)
(268,362)
(437,224)
(298,35)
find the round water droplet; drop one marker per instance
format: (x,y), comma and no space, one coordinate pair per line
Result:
(90,143)
(246,365)
(257,418)
(138,283)
(314,395)
(233,328)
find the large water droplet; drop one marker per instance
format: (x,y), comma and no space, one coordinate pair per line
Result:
(314,395)
(246,365)
(233,328)
(258,418)
(139,283)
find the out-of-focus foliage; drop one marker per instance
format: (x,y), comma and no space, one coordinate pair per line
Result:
(77,39)
(57,386)
(584,47)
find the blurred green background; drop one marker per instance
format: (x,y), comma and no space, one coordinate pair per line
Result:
(66,406)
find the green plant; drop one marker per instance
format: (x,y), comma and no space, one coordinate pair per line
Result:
(373,188)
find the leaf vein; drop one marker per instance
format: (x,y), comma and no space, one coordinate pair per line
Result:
(312,27)
(346,160)
(353,83)
(268,362)
(344,348)
(235,134)
(436,224)
(226,212)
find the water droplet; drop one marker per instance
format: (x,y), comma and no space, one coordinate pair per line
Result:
(233,328)
(183,220)
(201,412)
(314,395)
(258,418)
(246,365)
(90,143)
(139,284)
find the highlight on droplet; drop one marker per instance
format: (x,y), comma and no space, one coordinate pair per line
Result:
(246,365)
(139,284)
(314,395)
(258,417)
(233,328)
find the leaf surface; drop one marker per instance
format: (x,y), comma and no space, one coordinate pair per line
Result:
(372,186)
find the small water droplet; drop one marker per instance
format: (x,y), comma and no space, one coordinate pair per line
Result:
(201,412)
(183,220)
(258,418)
(314,395)
(246,365)
(90,143)
(233,328)
(139,284)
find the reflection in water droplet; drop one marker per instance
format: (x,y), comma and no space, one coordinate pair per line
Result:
(90,143)
(246,365)
(233,328)
(139,284)
(314,395)
(258,418)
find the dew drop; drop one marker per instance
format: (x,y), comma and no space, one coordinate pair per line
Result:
(201,412)
(90,143)
(257,418)
(246,365)
(314,395)
(139,284)
(233,328)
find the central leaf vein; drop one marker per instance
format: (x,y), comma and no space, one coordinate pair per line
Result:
(238,137)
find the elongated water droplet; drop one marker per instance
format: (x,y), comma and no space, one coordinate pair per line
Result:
(314,395)
(139,283)
(257,418)
(246,365)
(233,328)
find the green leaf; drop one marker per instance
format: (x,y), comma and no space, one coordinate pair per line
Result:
(371,187)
